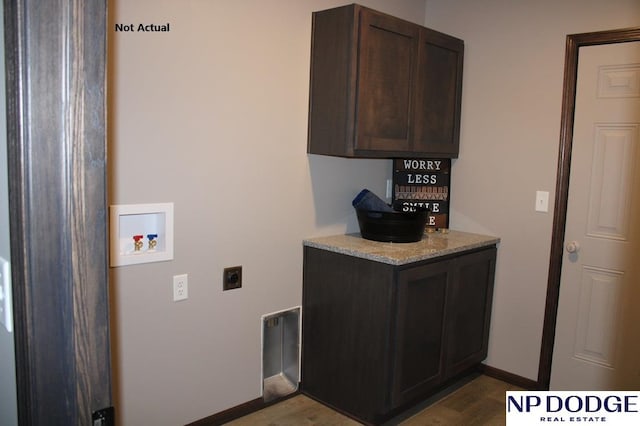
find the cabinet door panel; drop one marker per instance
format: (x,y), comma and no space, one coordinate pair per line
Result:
(419,330)
(469,310)
(346,317)
(388,54)
(439,85)
(333,83)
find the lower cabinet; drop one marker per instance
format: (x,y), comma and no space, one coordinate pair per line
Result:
(378,338)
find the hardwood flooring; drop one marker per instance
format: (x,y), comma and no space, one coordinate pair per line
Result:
(478,402)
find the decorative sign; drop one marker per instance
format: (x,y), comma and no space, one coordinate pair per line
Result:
(423,183)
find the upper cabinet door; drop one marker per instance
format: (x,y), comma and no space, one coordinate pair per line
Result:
(388,54)
(438,94)
(382,87)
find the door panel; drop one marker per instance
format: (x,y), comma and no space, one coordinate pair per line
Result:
(596,345)
(386,77)
(469,310)
(611,178)
(598,312)
(419,330)
(437,98)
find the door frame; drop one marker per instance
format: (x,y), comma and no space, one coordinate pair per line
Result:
(573,44)
(56,148)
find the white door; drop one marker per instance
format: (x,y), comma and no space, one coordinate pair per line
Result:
(597,343)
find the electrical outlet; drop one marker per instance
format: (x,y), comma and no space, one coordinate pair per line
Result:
(232,278)
(180,287)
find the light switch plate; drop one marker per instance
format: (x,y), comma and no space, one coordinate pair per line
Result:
(6,313)
(542,201)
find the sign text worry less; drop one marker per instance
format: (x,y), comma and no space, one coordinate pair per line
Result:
(423,183)
(568,407)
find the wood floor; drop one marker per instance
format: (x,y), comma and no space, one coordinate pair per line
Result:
(478,402)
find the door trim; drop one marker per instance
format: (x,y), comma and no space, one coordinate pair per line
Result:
(56,146)
(573,44)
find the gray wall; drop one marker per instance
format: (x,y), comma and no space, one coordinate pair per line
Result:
(8,407)
(510,132)
(213,117)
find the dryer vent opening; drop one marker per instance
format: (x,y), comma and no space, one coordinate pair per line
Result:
(280,354)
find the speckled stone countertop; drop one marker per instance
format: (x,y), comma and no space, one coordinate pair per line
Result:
(431,246)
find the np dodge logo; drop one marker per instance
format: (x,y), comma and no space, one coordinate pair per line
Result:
(536,408)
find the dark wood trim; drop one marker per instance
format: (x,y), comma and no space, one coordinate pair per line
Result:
(239,411)
(57,199)
(505,376)
(573,44)
(13,18)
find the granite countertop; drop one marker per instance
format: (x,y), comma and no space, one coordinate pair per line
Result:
(431,246)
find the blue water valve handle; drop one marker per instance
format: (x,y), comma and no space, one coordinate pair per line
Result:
(152,237)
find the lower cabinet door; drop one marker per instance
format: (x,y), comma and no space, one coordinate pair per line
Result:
(468,312)
(417,359)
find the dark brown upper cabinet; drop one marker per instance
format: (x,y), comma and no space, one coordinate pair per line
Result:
(382,87)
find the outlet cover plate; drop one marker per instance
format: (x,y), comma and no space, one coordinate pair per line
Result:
(180,287)
(232,278)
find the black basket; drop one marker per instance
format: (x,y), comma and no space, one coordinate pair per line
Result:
(395,227)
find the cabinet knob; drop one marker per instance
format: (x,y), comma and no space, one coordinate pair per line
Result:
(573,247)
